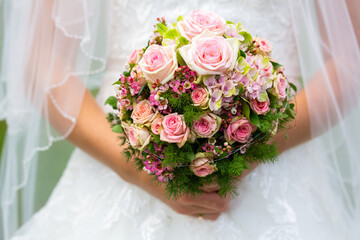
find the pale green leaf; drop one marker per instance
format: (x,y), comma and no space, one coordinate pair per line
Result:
(247,37)
(180,18)
(254,119)
(112,101)
(172,34)
(162,28)
(246,110)
(117,129)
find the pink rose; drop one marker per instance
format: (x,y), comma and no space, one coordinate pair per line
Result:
(239,130)
(143,112)
(207,125)
(198,21)
(138,137)
(135,56)
(263,45)
(260,107)
(174,129)
(210,55)
(200,97)
(280,85)
(156,125)
(201,165)
(158,63)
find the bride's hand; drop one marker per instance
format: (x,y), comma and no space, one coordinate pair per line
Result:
(207,205)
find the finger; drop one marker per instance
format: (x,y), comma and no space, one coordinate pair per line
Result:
(213,187)
(197,210)
(213,201)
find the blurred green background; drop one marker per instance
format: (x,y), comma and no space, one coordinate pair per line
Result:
(50,167)
(2,134)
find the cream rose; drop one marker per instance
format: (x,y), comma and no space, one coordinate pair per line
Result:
(158,63)
(198,21)
(138,137)
(143,112)
(210,55)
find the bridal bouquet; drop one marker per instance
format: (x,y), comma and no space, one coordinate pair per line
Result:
(199,103)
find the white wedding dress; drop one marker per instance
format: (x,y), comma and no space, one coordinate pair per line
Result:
(281,201)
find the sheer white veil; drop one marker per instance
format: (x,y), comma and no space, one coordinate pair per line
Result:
(51,49)
(328,36)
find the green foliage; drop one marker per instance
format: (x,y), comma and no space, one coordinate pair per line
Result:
(117,129)
(156,138)
(144,89)
(123,140)
(267,122)
(182,41)
(110,117)
(112,101)
(174,156)
(293,86)
(161,28)
(172,34)
(191,114)
(180,18)
(275,65)
(247,37)
(234,165)
(127,116)
(182,104)
(183,183)
(3,127)
(245,108)
(227,184)
(242,54)
(261,152)
(254,119)
(177,103)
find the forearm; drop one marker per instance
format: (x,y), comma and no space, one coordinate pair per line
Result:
(93,134)
(299,130)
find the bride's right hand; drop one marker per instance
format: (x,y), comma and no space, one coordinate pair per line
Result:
(207,205)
